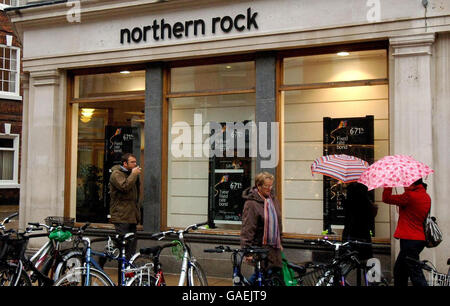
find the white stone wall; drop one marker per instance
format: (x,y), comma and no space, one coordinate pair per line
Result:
(419,73)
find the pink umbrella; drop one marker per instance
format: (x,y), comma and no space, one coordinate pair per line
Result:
(340,167)
(394,171)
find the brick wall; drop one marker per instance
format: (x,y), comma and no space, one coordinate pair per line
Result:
(10,110)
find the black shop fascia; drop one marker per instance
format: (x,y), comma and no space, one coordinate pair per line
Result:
(160,30)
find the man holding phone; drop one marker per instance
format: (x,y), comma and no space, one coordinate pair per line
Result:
(124,186)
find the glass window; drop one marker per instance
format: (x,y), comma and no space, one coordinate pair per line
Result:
(9,68)
(348,66)
(306,204)
(9,155)
(104,130)
(226,76)
(107,84)
(206,176)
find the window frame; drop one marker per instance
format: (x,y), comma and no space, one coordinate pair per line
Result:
(14,183)
(16,94)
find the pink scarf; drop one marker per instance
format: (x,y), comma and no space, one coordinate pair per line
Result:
(271,229)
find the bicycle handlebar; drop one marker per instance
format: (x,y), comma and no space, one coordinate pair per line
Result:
(247,250)
(7,219)
(423,264)
(161,235)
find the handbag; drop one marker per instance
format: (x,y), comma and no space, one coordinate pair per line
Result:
(433,235)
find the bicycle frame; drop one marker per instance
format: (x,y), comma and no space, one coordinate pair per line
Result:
(123,263)
(188,260)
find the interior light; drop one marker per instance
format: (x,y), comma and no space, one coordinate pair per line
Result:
(343,53)
(228,67)
(86,114)
(125,72)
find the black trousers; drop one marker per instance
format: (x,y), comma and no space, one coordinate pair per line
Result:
(122,229)
(404,269)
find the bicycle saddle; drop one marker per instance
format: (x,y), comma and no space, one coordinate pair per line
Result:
(298,269)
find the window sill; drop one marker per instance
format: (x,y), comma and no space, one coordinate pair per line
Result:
(10,96)
(9,185)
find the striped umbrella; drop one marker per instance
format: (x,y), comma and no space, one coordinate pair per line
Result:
(340,167)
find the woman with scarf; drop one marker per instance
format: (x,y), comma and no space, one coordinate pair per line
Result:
(261,221)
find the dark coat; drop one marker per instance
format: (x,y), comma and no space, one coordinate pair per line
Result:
(252,230)
(124,191)
(359,217)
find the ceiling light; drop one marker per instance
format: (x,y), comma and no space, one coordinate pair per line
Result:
(343,53)
(86,114)
(125,72)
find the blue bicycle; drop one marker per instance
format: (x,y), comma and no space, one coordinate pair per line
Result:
(92,274)
(261,277)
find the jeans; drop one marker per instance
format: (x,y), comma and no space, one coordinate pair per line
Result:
(404,268)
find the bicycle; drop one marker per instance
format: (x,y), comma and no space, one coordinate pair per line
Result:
(435,278)
(92,274)
(150,258)
(259,256)
(14,264)
(344,261)
(192,273)
(51,260)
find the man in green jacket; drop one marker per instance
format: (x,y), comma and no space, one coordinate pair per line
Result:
(124,192)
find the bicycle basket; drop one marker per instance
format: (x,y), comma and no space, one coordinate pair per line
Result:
(439,279)
(59,221)
(12,248)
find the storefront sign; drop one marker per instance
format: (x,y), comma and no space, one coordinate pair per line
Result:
(160,29)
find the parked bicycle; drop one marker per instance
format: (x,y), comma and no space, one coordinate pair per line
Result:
(47,258)
(344,261)
(259,256)
(149,257)
(434,277)
(191,273)
(92,274)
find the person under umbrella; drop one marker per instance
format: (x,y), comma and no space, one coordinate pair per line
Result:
(414,205)
(359,212)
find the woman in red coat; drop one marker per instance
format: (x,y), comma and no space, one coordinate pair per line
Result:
(414,205)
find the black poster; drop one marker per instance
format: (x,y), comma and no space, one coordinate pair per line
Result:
(350,136)
(118,141)
(229,176)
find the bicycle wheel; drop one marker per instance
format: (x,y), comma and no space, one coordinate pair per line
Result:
(275,280)
(196,276)
(8,276)
(78,276)
(143,280)
(68,263)
(138,260)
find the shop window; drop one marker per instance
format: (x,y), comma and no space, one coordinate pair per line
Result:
(9,71)
(109,84)
(345,86)
(107,122)
(9,157)
(202,185)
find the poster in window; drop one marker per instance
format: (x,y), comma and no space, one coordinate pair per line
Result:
(350,136)
(229,176)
